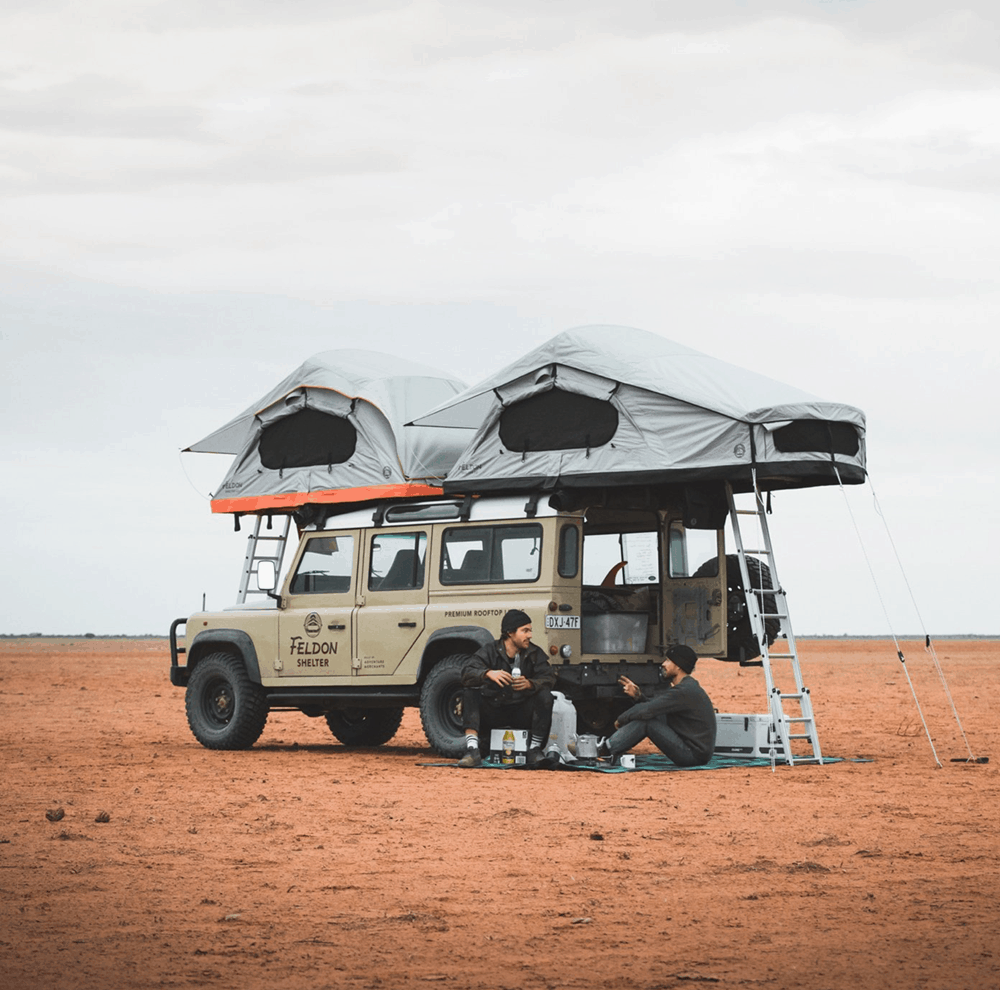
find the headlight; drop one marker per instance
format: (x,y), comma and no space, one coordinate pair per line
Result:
(565,651)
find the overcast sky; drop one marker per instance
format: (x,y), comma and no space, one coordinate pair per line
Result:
(196,196)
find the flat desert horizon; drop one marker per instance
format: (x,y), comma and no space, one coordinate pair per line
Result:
(306,864)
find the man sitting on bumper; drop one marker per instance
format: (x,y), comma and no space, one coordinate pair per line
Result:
(508,684)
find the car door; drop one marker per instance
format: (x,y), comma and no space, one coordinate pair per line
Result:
(390,616)
(694,589)
(316,626)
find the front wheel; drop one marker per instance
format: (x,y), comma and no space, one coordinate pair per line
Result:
(225,709)
(441,707)
(364,726)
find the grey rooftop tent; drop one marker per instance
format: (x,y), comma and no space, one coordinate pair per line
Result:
(332,431)
(601,406)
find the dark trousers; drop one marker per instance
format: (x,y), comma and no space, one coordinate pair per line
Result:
(662,736)
(534,713)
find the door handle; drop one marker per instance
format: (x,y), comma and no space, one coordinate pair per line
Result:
(407,625)
(336,626)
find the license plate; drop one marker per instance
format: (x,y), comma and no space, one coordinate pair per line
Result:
(562,622)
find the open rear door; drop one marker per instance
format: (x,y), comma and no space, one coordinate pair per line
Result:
(694,588)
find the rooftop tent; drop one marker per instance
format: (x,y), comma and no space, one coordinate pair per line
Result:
(614,406)
(332,431)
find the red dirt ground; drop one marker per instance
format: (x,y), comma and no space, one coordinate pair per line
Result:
(303,864)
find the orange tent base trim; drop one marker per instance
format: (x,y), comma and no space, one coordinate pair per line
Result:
(288,501)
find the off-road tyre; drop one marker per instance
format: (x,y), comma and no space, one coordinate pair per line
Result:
(225,709)
(441,707)
(364,726)
(741,644)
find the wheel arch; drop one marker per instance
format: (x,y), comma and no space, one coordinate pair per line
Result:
(451,640)
(235,641)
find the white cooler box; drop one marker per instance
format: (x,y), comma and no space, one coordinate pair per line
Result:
(749,736)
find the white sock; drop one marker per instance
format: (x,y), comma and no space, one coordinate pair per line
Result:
(472,741)
(536,742)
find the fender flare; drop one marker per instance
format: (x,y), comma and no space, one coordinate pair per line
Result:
(208,639)
(478,635)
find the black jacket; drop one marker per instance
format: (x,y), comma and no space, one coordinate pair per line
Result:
(533,662)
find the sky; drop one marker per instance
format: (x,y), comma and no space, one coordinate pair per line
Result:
(195,197)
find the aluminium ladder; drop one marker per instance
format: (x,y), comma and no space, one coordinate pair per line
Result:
(273,549)
(799,724)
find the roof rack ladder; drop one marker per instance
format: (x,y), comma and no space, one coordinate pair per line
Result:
(798,724)
(262,546)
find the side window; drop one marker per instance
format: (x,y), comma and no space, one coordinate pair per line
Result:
(397,561)
(569,551)
(693,552)
(491,554)
(325,567)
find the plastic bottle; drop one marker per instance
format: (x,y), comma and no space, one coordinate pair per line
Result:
(507,756)
(515,671)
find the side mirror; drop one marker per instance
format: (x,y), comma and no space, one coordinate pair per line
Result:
(267,577)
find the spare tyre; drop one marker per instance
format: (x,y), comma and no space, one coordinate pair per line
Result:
(741,644)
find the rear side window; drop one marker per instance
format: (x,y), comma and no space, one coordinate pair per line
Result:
(491,554)
(569,551)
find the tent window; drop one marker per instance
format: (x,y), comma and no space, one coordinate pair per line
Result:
(308,438)
(558,420)
(817,435)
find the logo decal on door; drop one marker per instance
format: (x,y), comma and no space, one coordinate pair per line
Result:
(313,624)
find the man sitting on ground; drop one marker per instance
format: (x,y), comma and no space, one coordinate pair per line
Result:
(680,721)
(508,684)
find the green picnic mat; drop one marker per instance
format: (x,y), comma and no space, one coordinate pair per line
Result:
(655,762)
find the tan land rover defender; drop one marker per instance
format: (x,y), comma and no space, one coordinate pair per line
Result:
(381,605)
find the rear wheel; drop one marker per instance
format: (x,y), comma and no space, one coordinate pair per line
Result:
(364,726)
(441,707)
(225,709)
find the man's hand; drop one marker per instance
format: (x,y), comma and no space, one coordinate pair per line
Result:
(630,688)
(501,677)
(521,684)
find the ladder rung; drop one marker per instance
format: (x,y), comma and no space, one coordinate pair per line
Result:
(781,656)
(762,553)
(797,719)
(774,615)
(792,697)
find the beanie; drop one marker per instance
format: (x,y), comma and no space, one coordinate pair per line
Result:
(683,656)
(513,621)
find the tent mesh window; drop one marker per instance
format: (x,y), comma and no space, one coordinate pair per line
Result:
(817,435)
(308,438)
(558,420)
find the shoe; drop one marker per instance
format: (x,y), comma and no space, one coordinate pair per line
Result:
(537,760)
(471,758)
